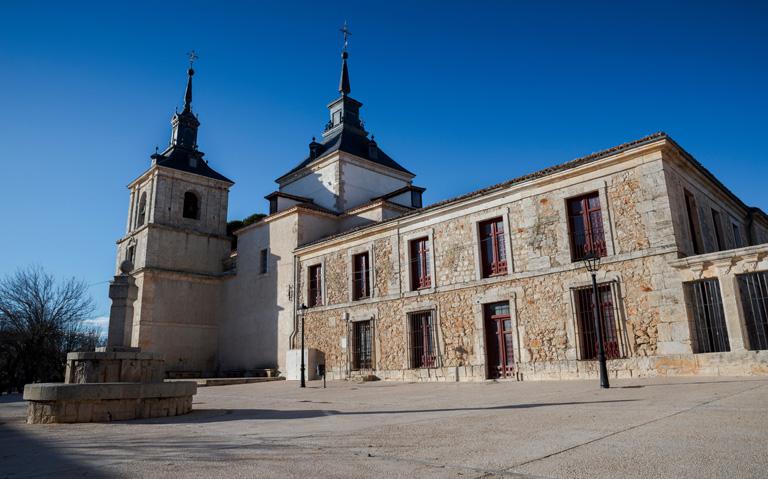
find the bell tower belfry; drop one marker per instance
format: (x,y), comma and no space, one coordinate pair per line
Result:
(176,238)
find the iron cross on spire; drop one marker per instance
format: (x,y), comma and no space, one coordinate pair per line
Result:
(345,32)
(192,58)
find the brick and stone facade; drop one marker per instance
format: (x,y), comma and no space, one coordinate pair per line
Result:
(639,188)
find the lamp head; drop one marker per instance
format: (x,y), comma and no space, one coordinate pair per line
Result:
(302,309)
(591,262)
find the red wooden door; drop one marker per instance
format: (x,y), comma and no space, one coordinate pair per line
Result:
(498,341)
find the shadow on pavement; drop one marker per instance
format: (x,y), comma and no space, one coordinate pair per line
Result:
(223,415)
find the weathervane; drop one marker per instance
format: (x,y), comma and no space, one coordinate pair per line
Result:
(345,32)
(192,58)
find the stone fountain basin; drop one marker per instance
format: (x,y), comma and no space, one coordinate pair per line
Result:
(60,403)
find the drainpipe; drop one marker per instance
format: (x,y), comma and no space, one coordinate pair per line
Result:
(292,337)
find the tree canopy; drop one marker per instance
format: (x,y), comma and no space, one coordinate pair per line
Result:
(41,320)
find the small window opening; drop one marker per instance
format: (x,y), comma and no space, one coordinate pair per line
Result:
(142,216)
(264,255)
(191,208)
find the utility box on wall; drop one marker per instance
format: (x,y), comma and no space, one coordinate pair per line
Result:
(312,357)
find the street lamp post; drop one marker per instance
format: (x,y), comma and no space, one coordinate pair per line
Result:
(592,263)
(302,310)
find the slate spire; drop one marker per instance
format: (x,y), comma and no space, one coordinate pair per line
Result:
(185,124)
(344,87)
(188,93)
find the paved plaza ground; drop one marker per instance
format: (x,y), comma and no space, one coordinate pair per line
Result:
(640,428)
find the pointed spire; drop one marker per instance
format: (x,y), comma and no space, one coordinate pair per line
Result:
(188,94)
(344,87)
(185,123)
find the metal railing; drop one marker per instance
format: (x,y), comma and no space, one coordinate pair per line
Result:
(589,241)
(229,264)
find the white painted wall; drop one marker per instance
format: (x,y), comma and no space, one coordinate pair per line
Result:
(361,185)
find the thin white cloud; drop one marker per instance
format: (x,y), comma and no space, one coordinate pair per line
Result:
(101,324)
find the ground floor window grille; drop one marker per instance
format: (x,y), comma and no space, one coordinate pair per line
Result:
(362,345)
(705,307)
(753,289)
(422,340)
(584,310)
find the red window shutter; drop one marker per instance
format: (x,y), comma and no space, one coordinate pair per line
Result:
(585,223)
(420,265)
(493,248)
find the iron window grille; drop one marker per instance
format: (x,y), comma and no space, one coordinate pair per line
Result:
(499,342)
(423,352)
(360,277)
(614,334)
(753,289)
(315,293)
(362,341)
(585,223)
(420,267)
(709,333)
(492,248)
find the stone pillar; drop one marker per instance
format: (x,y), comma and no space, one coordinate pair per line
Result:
(729,288)
(123,292)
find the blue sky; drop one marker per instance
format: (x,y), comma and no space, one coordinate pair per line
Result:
(464,94)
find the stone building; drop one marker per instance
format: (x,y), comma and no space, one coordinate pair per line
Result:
(490,284)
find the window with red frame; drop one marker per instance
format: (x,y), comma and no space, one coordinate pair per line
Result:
(492,248)
(422,343)
(315,286)
(585,313)
(420,268)
(585,223)
(360,276)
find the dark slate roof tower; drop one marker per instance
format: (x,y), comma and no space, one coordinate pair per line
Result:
(182,153)
(346,131)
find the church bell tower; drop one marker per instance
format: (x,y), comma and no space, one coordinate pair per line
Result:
(176,238)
